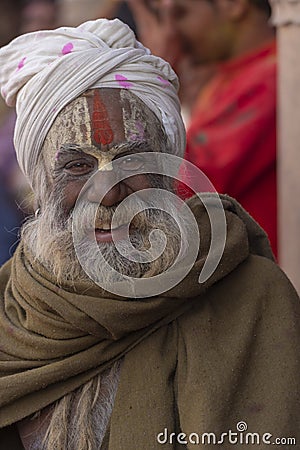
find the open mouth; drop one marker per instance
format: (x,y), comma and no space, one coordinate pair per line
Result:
(108,234)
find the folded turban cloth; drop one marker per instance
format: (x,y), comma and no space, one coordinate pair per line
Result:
(42,72)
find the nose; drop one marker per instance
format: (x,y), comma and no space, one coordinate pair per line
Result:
(104,189)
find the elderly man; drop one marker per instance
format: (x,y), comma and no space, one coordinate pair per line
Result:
(106,340)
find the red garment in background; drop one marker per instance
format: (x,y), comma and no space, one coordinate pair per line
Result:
(232,135)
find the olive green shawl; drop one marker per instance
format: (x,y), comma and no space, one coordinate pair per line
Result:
(199,358)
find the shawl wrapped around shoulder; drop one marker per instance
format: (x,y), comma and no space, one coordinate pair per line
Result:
(197,359)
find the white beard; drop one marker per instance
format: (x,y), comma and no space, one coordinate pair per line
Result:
(49,238)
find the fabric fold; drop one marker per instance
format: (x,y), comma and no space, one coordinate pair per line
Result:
(54,338)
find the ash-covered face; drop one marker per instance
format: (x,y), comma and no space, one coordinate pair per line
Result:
(92,134)
(97,137)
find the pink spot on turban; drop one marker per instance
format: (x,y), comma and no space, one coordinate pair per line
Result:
(21,63)
(163,81)
(123,81)
(67,48)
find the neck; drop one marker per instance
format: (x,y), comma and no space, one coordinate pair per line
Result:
(252,34)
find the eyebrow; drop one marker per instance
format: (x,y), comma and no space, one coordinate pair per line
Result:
(68,149)
(133,147)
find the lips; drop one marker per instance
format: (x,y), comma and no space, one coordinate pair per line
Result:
(107,234)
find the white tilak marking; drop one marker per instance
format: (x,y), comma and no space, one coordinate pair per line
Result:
(72,126)
(81,118)
(133,121)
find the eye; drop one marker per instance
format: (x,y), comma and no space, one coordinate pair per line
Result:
(78,168)
(129,163)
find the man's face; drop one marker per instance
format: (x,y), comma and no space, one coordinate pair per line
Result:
(98,137)
(103,130)
(205,31)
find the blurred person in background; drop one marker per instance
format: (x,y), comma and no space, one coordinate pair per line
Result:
(73,12)
(16,17)
(232,134)
(154,27)
(9,20)
(38,15)
(10,214)
(117,9)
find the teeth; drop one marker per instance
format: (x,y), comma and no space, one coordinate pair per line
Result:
(106,227)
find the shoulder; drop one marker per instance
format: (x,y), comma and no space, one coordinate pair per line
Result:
(256,290)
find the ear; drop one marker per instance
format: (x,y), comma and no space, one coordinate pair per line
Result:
(233,10)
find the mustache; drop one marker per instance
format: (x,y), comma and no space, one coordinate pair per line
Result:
(51,237)
(86,216)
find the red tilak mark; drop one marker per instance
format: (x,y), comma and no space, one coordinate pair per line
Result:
(102,132)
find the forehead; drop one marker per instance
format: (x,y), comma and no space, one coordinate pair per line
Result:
(101,120)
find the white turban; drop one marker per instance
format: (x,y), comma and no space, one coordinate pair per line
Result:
(42,72)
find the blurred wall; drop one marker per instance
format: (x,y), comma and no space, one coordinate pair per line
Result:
(286,16)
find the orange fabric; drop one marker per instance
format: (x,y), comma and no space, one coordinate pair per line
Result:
(232,136)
